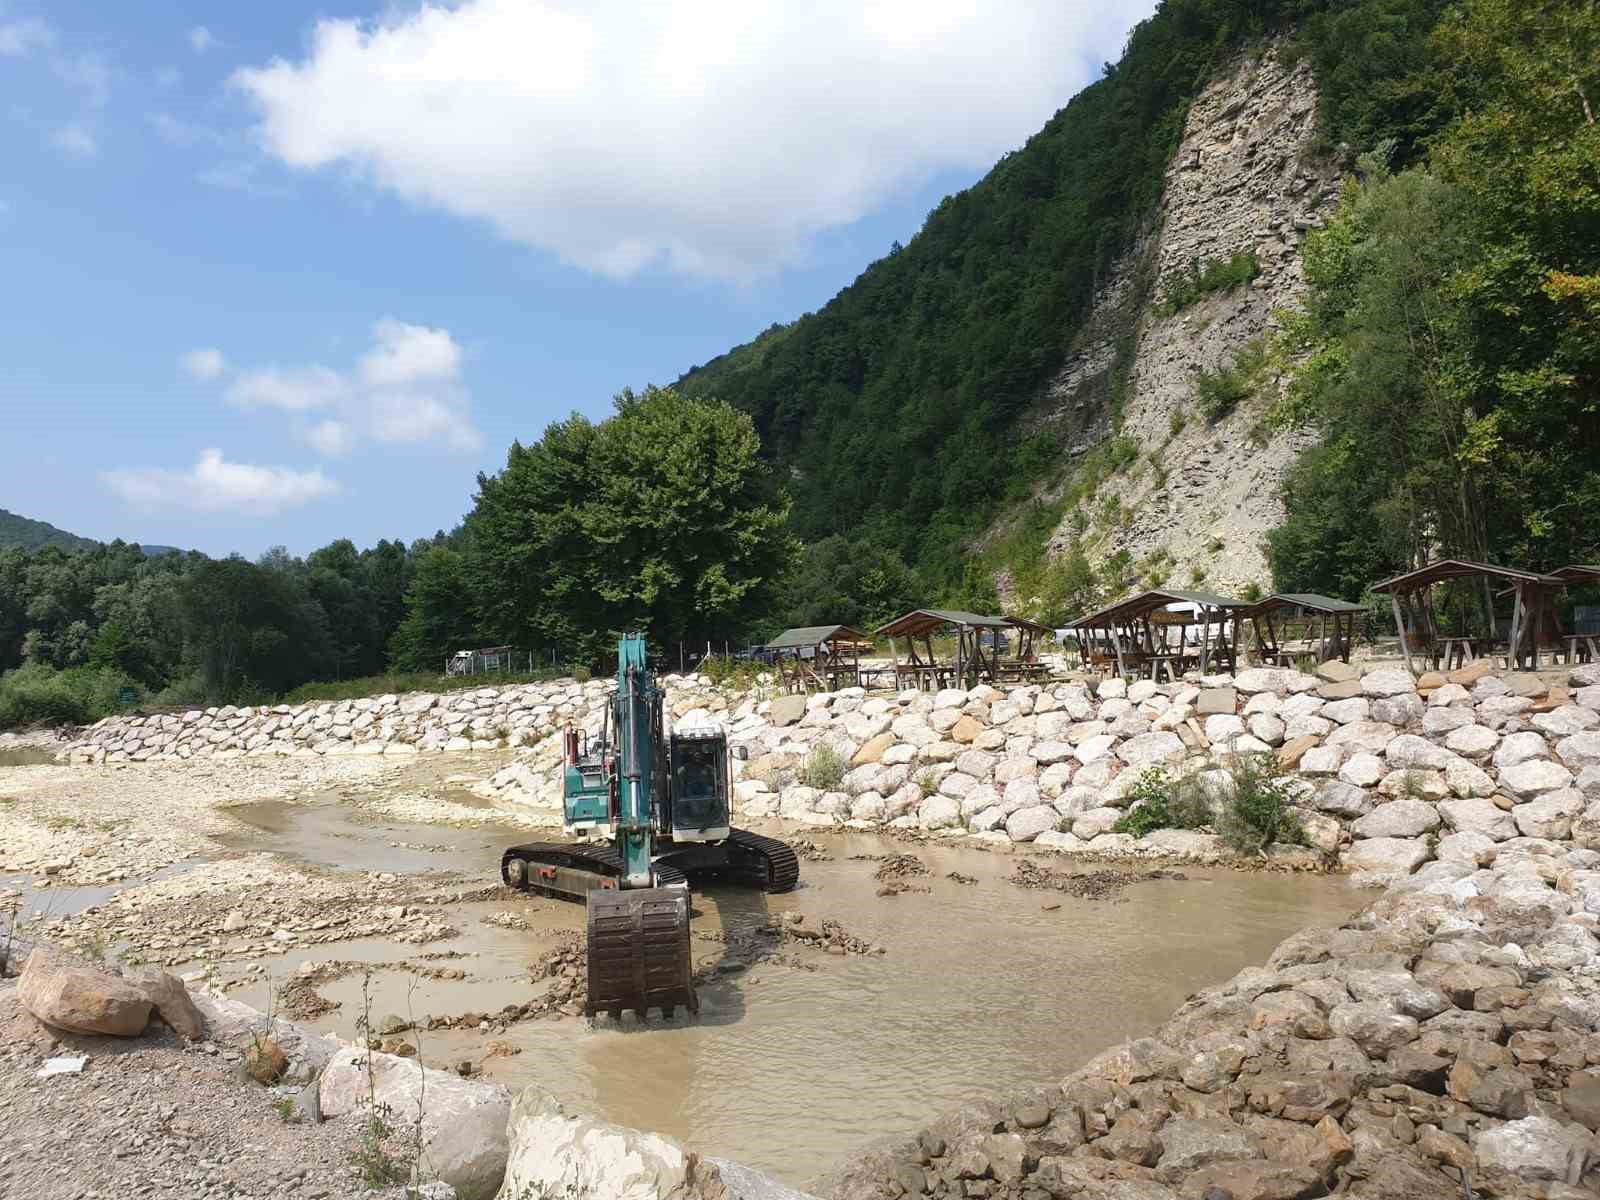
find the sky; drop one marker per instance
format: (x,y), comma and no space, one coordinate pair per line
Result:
(273,274)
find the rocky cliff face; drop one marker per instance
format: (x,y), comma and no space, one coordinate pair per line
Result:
(1246,178)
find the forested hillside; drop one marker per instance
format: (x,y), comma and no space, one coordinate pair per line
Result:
(898,409)
(29,534)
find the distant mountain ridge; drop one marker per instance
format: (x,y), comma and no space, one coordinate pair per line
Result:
(17,530)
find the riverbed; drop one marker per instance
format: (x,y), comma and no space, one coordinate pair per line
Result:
(981,983)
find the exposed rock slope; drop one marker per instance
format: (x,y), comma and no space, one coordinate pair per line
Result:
(1246,177)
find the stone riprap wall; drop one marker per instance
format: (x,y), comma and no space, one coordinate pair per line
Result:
(1390,772)
(474,719)
(1441,1044)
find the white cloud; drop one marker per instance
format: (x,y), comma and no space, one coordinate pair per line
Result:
(23,35)
(329,438)
(295,389)
(406,389)
(201,39)
(90,74)
(76,141)
(714,137)
(215,485)
(407,353)
(207,363)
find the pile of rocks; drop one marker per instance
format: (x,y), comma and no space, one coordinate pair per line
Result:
(1445,1036)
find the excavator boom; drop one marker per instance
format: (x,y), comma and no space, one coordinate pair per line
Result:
(638,931)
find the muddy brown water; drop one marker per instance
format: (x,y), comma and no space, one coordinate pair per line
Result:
(981,988)
(26,756)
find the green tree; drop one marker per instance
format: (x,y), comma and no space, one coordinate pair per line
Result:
(661,517)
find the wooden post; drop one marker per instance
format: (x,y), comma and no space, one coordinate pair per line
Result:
(961,645)
(1400,628)
(1519,618)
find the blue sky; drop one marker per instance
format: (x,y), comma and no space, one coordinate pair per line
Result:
(276,274)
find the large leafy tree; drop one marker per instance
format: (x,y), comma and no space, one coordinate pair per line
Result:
(1450,348)
(662,517)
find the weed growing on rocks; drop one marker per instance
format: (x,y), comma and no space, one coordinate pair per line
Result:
(372,1157)
(1158,801)
(1257,813)
(824,769)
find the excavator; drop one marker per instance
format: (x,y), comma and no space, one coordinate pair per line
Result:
(649,804)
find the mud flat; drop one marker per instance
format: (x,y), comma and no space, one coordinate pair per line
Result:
(968,980)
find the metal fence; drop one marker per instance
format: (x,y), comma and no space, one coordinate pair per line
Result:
(494,660)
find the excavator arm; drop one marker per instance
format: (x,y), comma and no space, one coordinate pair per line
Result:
(638,930)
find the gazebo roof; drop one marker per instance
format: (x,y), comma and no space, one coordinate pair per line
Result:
(1310,600)
(926,620)
(1578,573)
(1145,602)
(1460,568)
(1030,626)
(815,635)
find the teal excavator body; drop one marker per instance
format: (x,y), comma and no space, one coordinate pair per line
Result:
(653,808)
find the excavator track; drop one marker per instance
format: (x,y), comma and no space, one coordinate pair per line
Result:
(573,869)
(762,862)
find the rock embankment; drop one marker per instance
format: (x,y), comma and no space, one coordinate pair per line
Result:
(1386,772)
(1441,1044)
(473,719)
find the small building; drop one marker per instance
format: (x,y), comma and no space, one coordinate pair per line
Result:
(979,642)
(819,657)
(1335,622)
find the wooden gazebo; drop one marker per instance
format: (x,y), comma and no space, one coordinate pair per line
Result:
(1533,617)
(1335,622)
(974,660)
(819,657)
(1024,666)
(1134,636)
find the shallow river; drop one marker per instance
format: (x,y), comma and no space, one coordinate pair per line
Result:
(981,989)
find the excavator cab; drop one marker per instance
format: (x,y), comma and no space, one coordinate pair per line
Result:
(697,805)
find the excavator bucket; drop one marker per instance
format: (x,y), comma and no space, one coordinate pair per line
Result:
(639,951)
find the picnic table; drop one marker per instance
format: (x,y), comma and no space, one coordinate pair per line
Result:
(1452,652)
(1582,647)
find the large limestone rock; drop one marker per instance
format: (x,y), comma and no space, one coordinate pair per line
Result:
(554,1153)
(1478,815)
(786,710)
(1398,819)
(463,1121)
(1387,855)
(80,999)
(1532,1150)
(1028,823)
(1390,681)
(1580,750)
(1550,816)
(1149,749)
(170,999)
(1533,777)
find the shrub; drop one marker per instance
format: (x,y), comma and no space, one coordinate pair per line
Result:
(35,694)
(1158,801)
(1217,393)
(824,769)
(1257,814)
(723,672)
